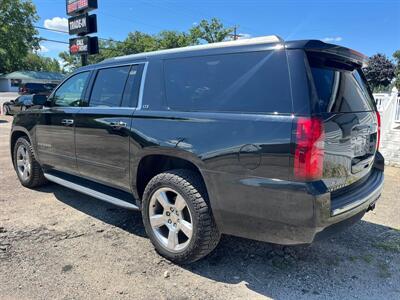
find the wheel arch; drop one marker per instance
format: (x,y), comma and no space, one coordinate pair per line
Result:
(152,164)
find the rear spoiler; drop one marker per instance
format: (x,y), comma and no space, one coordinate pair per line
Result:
(318,46)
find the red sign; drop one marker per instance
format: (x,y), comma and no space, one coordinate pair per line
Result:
(84,45)
(76,6)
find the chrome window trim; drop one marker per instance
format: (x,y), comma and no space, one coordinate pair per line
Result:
(109,66)
(99,67)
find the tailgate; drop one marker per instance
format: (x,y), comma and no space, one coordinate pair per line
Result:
(343,101)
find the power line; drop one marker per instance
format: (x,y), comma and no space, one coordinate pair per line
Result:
(66,32)
(54,41)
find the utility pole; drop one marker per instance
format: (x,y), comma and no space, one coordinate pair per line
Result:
(235,36)
(84,60)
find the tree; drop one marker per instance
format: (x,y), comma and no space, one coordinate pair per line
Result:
(17,34)
(139,42)
(173,39)
(36,62)
(379,72)
(396,56)
(211,32)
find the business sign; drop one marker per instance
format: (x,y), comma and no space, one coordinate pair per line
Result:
(82,24)
(84,45)
(76,6)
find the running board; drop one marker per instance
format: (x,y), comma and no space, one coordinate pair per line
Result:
(90,192)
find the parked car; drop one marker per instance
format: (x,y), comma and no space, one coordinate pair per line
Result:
(22,103)
(36,88)
(260,138)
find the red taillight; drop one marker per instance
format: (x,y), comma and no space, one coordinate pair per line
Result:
(309,153)
(378,138)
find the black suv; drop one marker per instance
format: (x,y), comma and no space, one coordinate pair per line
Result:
(36,88)
(261,138)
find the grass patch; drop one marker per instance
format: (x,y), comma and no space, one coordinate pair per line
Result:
(368,258)
(392,245)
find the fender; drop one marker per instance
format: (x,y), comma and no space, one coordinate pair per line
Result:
(136,158)
(180,153)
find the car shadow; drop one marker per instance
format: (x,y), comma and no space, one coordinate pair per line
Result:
(342,265)
(128,220)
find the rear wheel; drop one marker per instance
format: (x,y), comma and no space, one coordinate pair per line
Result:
(29,171)
(177,216)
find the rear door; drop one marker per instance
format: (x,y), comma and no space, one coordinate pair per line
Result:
(103,126)
(343,100)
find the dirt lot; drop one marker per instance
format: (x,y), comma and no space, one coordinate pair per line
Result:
(59,244)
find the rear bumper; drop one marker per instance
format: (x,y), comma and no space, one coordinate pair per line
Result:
(291,213)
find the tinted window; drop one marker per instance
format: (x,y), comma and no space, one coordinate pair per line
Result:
(70,93)
(244,82)
(109,87)
(340,87)
(131,93)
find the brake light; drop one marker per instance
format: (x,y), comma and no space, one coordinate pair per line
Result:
(378,138)
(309,152)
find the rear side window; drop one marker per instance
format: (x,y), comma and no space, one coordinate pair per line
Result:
(109,87)
(340,90)
(244,82)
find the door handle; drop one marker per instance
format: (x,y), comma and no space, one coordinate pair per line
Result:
(67,122)
(118,125)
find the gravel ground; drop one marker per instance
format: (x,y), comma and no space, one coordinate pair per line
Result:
(58,244)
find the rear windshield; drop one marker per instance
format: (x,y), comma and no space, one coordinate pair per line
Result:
(340,90)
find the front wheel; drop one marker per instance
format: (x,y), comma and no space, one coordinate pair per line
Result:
(28,169)
(177,216)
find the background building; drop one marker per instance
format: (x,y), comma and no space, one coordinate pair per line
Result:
(10,82)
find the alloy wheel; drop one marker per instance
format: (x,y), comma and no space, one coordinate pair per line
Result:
(170,219)
(23,162)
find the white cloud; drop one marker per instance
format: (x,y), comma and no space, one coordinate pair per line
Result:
(42,49)
(56,23)
(333,39)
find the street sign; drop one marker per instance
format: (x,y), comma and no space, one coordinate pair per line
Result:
(84,45)
(82,24)
(76,6)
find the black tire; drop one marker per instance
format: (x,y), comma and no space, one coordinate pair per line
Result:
(36,177)
(190,186)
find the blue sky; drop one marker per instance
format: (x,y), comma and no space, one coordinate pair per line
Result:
(364,25)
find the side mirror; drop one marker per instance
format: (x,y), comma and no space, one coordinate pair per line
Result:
(12,101)
(39,100)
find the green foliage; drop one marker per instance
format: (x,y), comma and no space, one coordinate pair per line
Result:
(380,71)
(138,42)
(211,32)
(17,34)
(36,62)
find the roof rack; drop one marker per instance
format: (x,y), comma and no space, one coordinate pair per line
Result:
(241,42)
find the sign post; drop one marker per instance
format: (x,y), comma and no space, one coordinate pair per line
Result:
(81,24)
